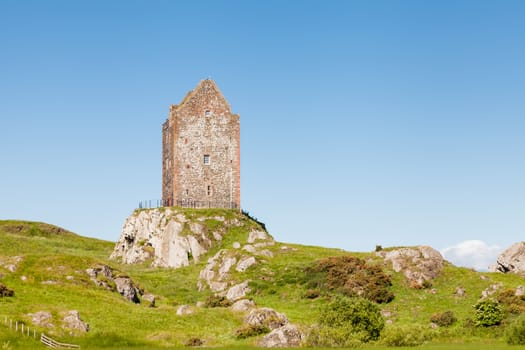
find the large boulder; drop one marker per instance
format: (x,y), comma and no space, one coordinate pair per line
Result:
(283,337)
(103,276)
(418,264)
(238,291)
(511,260)
(127,289)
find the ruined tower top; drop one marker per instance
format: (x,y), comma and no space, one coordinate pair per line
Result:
(201,151)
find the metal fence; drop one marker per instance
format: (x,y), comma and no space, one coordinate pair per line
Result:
(188,203)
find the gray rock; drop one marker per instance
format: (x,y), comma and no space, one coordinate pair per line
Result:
(257,235)
(266,317)
(42,319)
(185,310)
(238,291)
(242,305)
(520,291)
(418,264)
(127,289)
(283,337)
(245,263)
(72,321)
(150,298)
(511,260)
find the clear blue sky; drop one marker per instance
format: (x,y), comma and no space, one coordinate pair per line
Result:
(362,122)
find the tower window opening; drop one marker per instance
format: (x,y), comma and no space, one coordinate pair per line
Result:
(207,113)
(206,159)
(209,190)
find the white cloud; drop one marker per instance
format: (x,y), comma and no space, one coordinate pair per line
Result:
(475,254)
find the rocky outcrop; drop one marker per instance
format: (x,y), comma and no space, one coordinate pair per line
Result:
(169,237)
(511,260)
(418,264)
(242,305)
(103,276)
(238,291)
(283,337)
(42,319)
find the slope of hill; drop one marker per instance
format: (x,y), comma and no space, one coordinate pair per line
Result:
(46,267)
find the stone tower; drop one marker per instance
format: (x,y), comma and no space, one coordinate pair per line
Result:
(201,151)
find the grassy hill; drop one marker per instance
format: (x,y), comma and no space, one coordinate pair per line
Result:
(49,275)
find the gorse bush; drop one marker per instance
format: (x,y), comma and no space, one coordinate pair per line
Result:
(345,322)
(249,330)
(6,292)
(512,303)
(350,276)
(413,335)
(515,333)
(444,319)
(217,301)
(488,313)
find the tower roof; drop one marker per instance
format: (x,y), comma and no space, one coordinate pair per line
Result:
(204,94)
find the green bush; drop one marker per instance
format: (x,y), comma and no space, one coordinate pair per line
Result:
(488,313)
(515,333)
(346,322)
(350,276)
(405,335)
(444,319)
(512,303)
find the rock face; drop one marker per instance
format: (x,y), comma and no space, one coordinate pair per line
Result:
(283,337)
(511,260)
(418,264)
(168,237)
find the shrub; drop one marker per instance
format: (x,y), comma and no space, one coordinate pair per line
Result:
(513,303)
(346,322)
(248,330)
(6,292)
(312,293)
(352,277)
(217,301)
(488,313)
(194,342)
(515,333)
(444,319)
(405,335)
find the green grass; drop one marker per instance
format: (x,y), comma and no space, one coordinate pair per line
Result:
(54,255)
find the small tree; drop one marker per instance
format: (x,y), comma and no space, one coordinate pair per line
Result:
(488,313)
(346,322)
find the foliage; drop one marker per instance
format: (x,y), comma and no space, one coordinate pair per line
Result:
(194,342)
(512,303)
(350,276)
(249,330)
(515,333)
(217,301)
(6,292)
(444,319)
(405,335)
(345,321)
(488,313)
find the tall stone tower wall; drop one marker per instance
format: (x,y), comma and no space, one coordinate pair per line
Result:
(201,151)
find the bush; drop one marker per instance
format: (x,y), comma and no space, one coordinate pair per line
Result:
(515,333)
(217,301)
(513,303)
(346,322)
(6,292)
(194,342)
(405,335)
(444,319)
(352,277)
(312,293)
(248,330)
(488,313)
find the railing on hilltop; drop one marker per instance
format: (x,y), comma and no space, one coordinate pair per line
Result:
(157,203)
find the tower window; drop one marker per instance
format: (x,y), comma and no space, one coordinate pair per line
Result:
(207,159)
(207,113)
(208,190)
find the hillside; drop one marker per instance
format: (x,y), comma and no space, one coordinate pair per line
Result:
(46,267)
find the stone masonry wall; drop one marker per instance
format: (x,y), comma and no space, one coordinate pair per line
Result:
(201,150)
